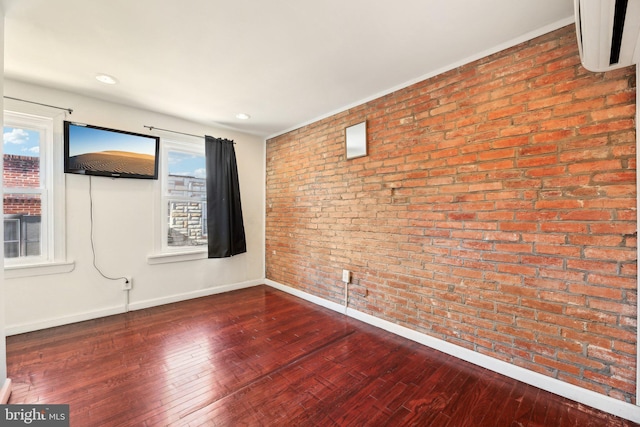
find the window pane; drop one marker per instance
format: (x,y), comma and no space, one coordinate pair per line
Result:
(21,204)
(11,249)
(11,230)
(187,173)
(23,225)
(21,158)
(31,235)
(186,223)
(182,163)
(184,186)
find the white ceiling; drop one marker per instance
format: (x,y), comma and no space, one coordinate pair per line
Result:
(284,62)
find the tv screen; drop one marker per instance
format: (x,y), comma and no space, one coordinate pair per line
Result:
(93,150)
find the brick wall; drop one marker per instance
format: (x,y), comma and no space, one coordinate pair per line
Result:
(186,218)
(495,210)
(186,224)
(21,171)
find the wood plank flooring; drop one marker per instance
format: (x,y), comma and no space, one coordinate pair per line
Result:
(260,357)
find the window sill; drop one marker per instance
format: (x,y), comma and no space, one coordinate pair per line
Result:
(167,257)
(43,269)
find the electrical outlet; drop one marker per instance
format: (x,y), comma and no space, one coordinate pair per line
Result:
(128,283)
(346,276)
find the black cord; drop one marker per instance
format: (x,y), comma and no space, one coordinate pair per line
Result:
(93,249)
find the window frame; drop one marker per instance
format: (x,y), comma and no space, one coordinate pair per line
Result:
(52,259)
(163,252)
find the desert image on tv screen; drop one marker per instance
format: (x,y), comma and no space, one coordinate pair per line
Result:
(103,151)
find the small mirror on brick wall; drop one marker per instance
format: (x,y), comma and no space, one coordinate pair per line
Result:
(356,140)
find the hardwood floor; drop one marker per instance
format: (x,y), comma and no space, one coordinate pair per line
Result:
(260,357)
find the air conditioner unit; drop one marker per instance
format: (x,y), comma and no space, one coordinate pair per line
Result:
(608,33)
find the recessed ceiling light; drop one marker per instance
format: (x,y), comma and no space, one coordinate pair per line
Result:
(243,116)
(107,79)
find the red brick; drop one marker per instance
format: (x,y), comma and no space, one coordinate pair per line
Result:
(510,142)
(613,113)
(605,88)
(606,127)
(550,101)
(586,215)
(596,291)
(549,171)
(610,254)
(589,153)
(557,135)
(554,364)
(615,177)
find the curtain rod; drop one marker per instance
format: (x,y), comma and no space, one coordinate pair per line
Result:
(175,131)
(39,103)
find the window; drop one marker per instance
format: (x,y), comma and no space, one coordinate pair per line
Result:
(33,213)
(184,197)
(26,195)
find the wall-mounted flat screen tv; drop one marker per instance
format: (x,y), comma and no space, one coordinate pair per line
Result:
(94,150)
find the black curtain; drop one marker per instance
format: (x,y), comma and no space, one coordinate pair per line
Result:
(224,211)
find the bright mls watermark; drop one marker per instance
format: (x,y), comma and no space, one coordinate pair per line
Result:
(34,415)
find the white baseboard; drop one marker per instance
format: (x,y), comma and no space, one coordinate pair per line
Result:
(81,317)
(59,321)
(578,394)
(195,294)
(5,391)
(306,296)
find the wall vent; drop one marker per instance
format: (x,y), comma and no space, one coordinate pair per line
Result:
(608,33)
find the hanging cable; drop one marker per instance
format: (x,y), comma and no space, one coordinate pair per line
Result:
(93,249)
(69,110)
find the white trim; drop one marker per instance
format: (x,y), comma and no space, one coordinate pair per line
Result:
(5,391)
(194,294)
(89,315)
(31,270)
(587,397)
(506,45)
(263,235)
(53,235)
(167,257)
(189,145)
(59,321)
(306,296)
(43,126)
(59,182)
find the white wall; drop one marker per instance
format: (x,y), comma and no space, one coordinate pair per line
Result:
(124,227)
